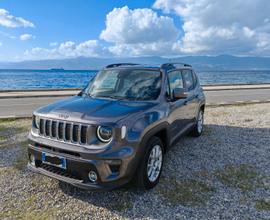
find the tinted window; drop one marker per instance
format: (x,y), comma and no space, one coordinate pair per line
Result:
(175,80)
(188,79)
(195,79)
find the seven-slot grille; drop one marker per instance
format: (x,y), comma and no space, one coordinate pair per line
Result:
(64,131)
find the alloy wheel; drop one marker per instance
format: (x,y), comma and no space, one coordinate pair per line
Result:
(154,163)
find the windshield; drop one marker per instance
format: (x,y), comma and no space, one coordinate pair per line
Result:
(125,84)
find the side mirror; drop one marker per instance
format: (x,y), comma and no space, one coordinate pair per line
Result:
(179,93)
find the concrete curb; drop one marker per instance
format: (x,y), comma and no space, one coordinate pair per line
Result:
(243,88)
(238,87)
(16,117)
(36,96)
(237,103)
(39,90)
(245,84)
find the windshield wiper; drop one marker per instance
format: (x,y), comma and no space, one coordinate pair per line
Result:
(112,97)
(117,97)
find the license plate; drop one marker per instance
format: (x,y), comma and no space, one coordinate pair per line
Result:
(54,160)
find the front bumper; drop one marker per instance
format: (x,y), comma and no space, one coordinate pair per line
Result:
(111,172)
(78,183)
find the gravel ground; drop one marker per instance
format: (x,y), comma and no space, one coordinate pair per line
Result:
(224,174)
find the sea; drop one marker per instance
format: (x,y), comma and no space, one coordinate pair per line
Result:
(62,79)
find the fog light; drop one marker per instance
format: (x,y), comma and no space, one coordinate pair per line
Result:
(92,176)
(32,160)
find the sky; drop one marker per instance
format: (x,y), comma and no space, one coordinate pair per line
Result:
(36,30)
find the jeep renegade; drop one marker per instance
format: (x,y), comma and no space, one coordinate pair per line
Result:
(119,127)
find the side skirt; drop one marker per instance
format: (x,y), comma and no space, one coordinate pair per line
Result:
(183,132)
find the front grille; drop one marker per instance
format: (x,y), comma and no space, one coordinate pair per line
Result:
(83,134)
(47,127)
(61,130)
(75,133)
(41,127)
(54,131)
(65,131)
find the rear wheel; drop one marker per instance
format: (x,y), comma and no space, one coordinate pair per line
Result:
(198,128)
(150,168)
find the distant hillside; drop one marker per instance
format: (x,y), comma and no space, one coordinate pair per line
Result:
(221,62)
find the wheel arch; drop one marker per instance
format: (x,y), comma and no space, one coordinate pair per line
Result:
(161,131)
(202,107)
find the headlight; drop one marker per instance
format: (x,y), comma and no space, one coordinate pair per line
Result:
(36,121)
(104,133)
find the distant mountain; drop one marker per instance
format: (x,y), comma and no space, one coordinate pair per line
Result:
(222,62)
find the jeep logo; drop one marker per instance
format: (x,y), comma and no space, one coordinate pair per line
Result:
(63,116)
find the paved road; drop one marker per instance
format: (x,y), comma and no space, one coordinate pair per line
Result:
(229,96)
(25,106)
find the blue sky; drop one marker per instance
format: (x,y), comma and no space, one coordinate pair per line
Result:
(58,21)
(62,29)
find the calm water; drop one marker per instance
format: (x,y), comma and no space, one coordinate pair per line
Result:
(37,79)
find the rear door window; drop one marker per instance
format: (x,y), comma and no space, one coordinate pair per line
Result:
(175,80)
(188,79)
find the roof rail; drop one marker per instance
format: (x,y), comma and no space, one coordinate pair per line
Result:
(174,65)
(121,64)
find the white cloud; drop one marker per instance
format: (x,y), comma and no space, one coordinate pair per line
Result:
(130,32)
(91,48)
(10,21)
(68,49)
(25,37)
(142,49)
(231,26)
(124,25)
(139,32)
(53,44)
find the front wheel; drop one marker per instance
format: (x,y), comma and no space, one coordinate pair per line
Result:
(198,128)
(150,168)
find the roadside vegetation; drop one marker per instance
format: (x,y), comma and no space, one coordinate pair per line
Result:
(243,176)
(187,193)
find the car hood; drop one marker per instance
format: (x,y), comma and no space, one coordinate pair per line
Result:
(87,109)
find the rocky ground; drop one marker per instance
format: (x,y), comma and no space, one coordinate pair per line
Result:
(224,174)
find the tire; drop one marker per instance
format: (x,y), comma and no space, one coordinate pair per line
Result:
(142,179)
(198,128)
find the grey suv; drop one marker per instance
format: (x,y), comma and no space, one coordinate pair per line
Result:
(119,127)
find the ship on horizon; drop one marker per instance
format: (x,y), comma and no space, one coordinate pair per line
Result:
(57,69)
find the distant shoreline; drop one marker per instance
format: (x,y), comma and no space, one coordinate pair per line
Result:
(30,79)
